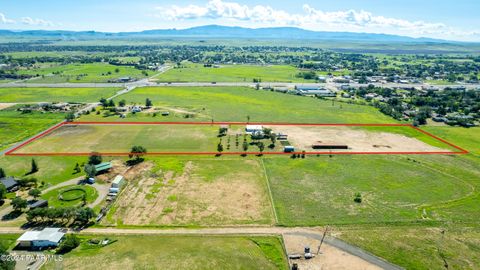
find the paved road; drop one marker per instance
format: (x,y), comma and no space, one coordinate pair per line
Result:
(315,233)
(146,82)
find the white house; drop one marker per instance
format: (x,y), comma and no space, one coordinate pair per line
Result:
(251,129)
(48,237)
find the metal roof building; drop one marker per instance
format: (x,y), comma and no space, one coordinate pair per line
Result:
(9,182)
(48,237)
(103,166)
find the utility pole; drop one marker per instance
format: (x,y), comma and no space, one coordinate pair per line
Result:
(323,237)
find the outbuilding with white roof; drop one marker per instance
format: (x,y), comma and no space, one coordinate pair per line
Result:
(48,237)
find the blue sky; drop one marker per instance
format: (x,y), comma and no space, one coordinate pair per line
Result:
(456,20)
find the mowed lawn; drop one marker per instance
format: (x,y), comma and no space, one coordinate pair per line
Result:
(80,95)
(73,196)
(15,126)
(176,252)
(232,73)
(81,73)
(239,103)
(321,190)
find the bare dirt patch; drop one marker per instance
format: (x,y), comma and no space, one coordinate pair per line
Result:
(163,198)
(6,105)
(357,140)
(329,257)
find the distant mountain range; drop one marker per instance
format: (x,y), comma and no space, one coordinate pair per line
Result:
(226,32)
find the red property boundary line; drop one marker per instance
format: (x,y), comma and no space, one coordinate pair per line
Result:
(11,152)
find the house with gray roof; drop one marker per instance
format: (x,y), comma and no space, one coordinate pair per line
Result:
(10,183)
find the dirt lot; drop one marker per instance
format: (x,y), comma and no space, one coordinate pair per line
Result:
(357,140)
(6,105)
(329,257)
(163,198)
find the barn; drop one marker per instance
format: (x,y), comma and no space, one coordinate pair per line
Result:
(102,167)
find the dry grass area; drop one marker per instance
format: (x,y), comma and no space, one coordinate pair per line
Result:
(6,105)
(329,257)
(357,140)
(206,192)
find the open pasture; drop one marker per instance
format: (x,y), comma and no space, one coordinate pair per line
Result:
(80,95)
(82,138)
(242,103)
(81,73)
(393,188)
(15,126)
(231,73)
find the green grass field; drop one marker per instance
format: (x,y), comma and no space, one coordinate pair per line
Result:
(468,138)
(73,196)
(82,95)
(321,190)
(52,170)
(120,139)
(236,103)
(420,248)
(15,126)
(176,252)
(81,73)
(231,73)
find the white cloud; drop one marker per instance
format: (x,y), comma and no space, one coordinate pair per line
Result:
(5,20)
(310,18)
(36,22)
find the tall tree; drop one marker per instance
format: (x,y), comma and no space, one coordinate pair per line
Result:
(95,158)
(18,203)
(137,151)
(2,173)
(35,193)
(220,147)
(90,170)
(3,193)
(104,102)
(70,117)
(245,146)
(261,146)
(34,168)
(148,103)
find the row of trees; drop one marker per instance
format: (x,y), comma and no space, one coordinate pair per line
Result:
(256,140)
(64,215)
(111,104)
